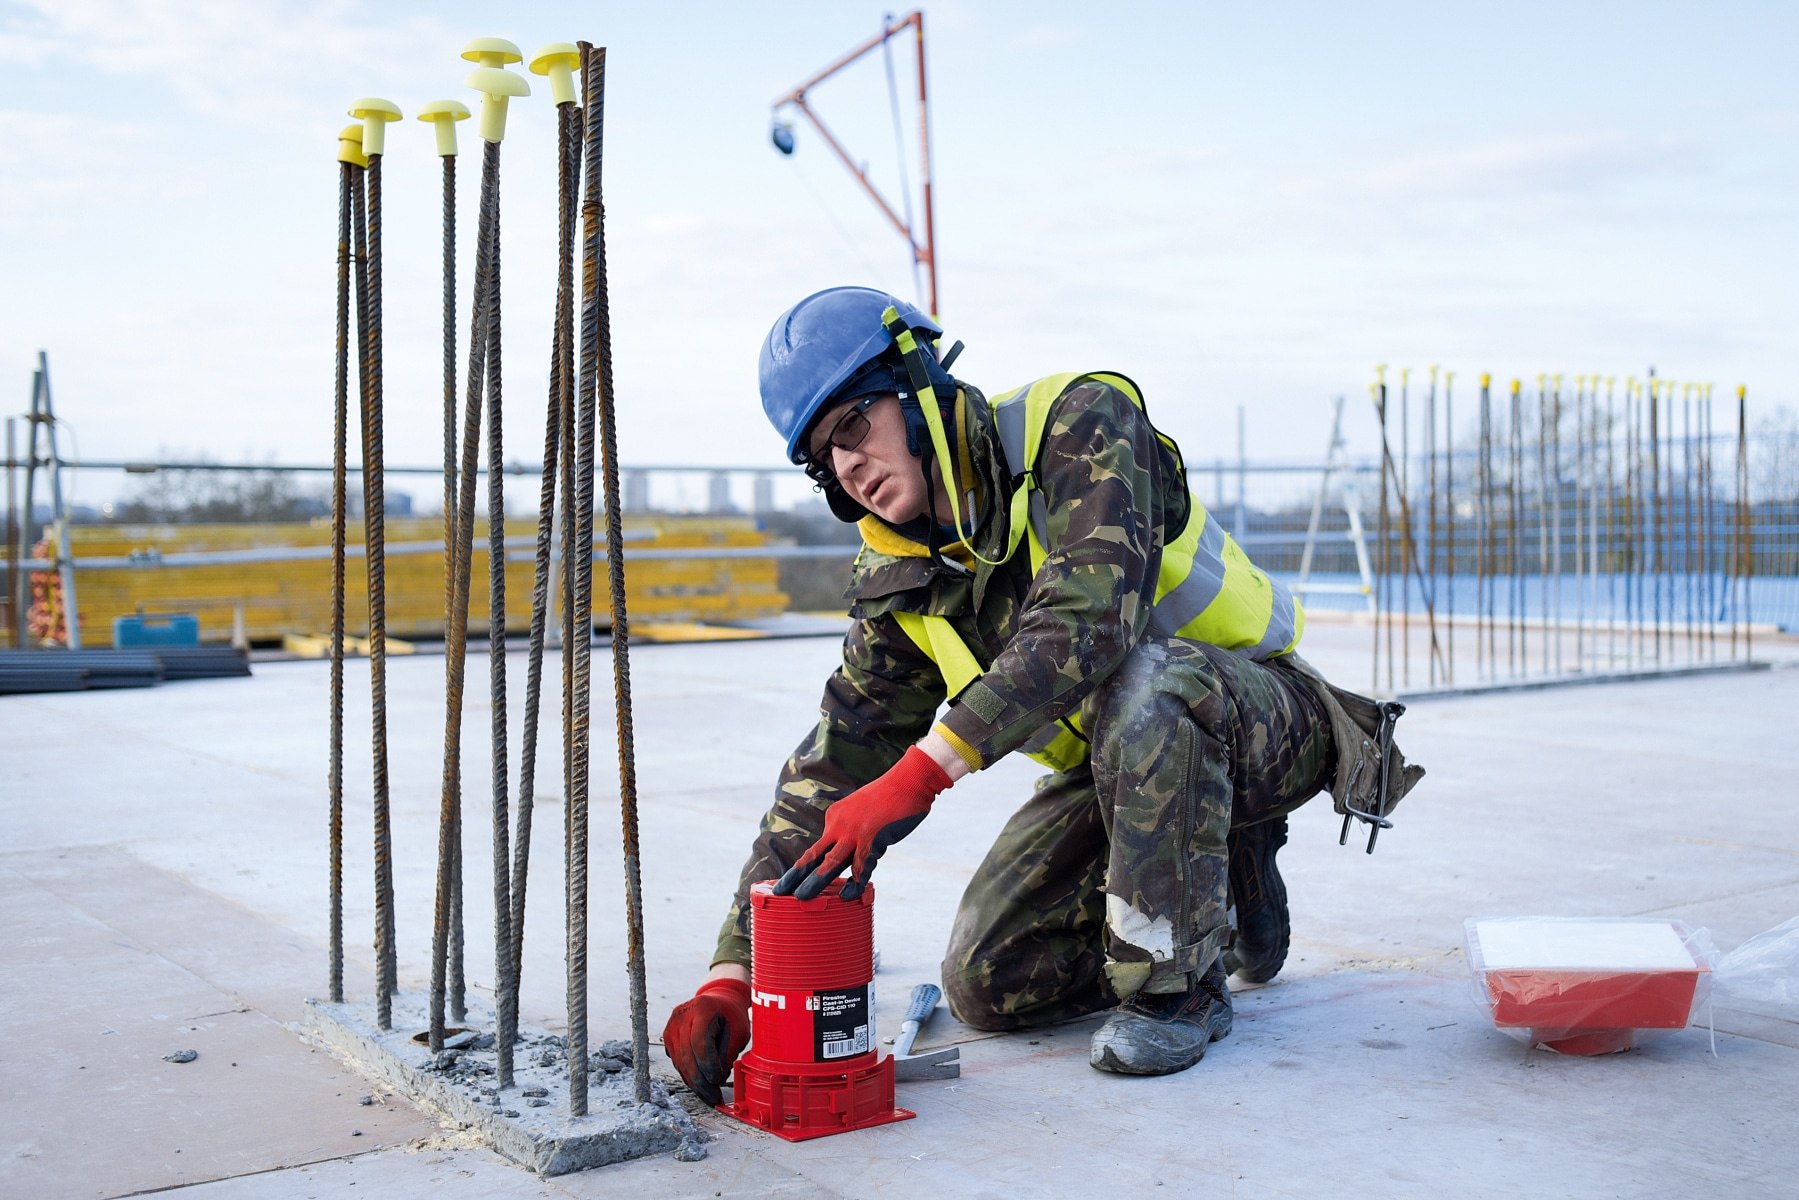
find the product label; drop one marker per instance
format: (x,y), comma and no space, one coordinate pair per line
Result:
(840,1024)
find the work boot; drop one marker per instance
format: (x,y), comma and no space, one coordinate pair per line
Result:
(1263,927)
(1162,1034)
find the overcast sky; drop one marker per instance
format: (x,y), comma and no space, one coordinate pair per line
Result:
(1233,204)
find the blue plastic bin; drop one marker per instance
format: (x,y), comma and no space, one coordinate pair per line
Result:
(156,629)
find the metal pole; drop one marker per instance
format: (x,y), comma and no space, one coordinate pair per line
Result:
(924,164)
(339,503)
(22,580)
(65,560)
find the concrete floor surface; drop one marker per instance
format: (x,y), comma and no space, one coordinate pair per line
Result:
(165,861)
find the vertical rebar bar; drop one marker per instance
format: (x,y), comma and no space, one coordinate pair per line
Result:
(446,824)
(1449,511)
(546,521)
(621,642)
(339,498)
(500,776)
(1713,598)
(1655,512)
(1516,632)
(1386,532)
(374,485)
(367,234)
(1430,498)
(582,572)
(1483,561)
(1611,528)
(1580,467)
(456,626)
(569,526)
(1403,475)
(1745,525)
(16,625)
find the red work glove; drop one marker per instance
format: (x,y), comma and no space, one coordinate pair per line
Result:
(705,1035)
(860,827)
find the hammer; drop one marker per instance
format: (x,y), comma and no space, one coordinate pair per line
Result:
(934,1064)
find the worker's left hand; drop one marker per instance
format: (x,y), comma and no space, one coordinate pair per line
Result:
(860,827)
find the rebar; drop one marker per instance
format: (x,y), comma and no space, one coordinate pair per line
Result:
(582,606)
(621,642)
(1403,476)
(540,579)
(1516,635)
(447,847)
(456,640)
(496,658)
(367,220)
(1449,510)
(339,498)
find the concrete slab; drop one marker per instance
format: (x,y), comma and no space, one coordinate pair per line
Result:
(1365,1069)
(94,1107)
(529,1121)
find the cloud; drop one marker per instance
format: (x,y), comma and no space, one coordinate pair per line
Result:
(221,58)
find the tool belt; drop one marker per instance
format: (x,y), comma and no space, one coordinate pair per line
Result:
(1372,773)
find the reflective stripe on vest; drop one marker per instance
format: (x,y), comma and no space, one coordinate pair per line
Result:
(1057,747)
(1207,589)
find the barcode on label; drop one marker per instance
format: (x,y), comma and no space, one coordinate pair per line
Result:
(848,1046)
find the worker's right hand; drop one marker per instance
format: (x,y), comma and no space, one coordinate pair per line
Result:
(705,1035)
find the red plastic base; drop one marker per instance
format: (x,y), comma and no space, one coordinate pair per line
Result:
(798,1101)
(1584,1041)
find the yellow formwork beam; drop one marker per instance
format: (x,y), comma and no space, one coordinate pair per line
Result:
(278,599)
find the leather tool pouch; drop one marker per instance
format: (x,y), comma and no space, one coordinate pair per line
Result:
(1356,728)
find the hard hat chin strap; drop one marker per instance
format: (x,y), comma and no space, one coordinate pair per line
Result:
(929,408)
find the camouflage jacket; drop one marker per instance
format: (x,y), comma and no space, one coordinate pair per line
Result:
(1110,489)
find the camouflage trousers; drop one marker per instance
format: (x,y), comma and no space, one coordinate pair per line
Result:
(1113,877)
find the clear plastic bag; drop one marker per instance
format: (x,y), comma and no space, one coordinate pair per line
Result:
(1762,975)
(1589,985)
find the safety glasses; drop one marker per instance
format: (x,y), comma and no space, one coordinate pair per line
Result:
(848,432)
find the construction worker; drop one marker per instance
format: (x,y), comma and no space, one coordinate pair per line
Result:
(1038,562)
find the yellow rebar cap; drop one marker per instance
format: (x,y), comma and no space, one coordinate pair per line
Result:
(349,146)
(444,114)
(496,85)
(374,113)
(558,60)
(492,52)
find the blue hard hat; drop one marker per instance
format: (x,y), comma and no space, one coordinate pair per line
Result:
(817,345)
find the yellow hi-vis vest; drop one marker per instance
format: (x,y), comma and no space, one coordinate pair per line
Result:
(1207,589)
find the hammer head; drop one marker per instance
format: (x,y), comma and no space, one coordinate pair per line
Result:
(934,1064)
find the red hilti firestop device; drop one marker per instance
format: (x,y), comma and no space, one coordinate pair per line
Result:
(812,1068)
